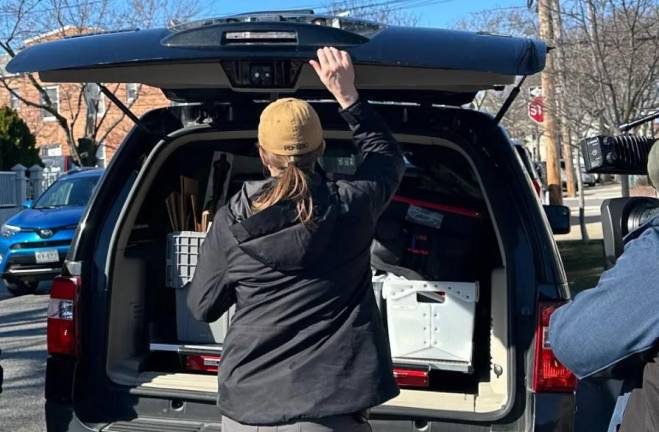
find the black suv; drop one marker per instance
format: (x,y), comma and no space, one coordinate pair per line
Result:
(115,363)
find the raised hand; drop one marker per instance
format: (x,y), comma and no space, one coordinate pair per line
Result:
(335,70)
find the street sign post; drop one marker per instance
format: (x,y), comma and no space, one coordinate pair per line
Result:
(535,91)
(536,109)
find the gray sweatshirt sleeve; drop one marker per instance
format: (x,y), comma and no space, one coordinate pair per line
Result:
(617,318)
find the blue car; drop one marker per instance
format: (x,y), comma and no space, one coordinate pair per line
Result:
(34,242)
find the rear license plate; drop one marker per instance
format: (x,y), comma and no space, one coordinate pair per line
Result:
(46,256)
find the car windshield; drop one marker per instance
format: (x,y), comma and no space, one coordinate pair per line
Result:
(68,192)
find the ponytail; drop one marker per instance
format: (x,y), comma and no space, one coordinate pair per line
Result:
(293,184)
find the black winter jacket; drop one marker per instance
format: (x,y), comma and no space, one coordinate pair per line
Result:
(306,340)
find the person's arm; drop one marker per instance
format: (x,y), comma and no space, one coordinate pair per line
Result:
(210,294)
(382,164)
(617,318)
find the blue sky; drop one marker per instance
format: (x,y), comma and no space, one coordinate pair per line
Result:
(432,13)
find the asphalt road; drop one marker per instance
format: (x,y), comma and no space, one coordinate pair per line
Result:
(23,345)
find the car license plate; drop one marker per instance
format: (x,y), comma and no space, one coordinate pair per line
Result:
(46,256)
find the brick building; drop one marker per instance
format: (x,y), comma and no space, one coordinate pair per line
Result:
(74,103)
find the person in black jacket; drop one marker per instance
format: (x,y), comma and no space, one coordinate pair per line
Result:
(306,348)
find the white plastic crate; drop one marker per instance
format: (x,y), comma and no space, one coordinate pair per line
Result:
(431,323)
(183,249)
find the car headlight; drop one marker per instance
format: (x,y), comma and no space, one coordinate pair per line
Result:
(9,230)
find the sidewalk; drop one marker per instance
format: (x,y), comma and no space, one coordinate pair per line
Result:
(594,196)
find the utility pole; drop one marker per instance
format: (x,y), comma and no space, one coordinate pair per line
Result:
(562,103)
(549,123)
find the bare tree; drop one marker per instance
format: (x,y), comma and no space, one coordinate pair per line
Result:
(612,53)
(518,22)
(607,71)
(23,20)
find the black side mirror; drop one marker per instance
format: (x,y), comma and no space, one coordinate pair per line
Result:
(559,218)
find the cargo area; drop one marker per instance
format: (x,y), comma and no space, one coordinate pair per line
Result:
(438,270)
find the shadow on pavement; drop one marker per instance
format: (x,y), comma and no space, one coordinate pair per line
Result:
(588,219)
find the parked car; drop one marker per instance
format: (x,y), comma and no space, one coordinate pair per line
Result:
(531,169)
(588,179)
(34,242)
(116,361)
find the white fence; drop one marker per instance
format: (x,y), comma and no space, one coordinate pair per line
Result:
(7,188)
(16,187)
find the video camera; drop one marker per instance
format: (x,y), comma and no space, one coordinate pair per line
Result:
(625,154)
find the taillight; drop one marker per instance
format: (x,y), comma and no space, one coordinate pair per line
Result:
(411,378)
(202,363)
(549,375)
(61,316)
(538,187)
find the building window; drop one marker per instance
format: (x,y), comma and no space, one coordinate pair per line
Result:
(14,101)
(53,94)
(131,92)
(94,100)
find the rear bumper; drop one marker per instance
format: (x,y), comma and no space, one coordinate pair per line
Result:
(554,413)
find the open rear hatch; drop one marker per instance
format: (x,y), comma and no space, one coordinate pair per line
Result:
(268,53)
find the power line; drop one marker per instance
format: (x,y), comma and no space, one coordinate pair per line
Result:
(425,3)
(368,5)
(395,5)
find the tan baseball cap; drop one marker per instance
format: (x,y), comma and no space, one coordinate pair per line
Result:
(290,127)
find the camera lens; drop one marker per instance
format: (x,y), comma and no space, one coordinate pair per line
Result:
(261,75)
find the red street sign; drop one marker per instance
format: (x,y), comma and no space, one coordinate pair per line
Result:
(536,109)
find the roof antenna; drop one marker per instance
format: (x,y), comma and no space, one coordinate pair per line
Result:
(509,100)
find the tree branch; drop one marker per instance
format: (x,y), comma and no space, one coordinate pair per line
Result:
(122,117)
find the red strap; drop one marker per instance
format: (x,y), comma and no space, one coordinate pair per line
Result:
(435,206)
